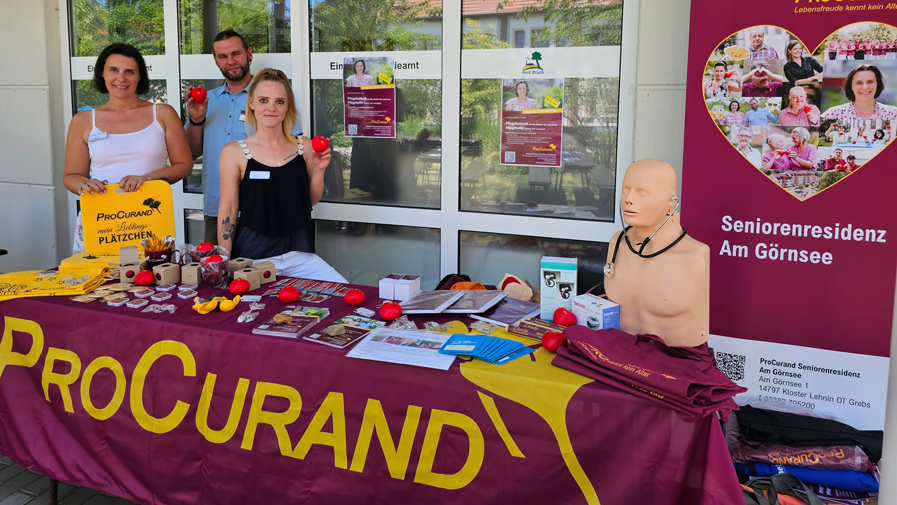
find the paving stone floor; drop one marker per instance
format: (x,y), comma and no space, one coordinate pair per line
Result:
(19,486)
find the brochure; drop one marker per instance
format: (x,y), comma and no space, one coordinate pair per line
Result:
(405,347)
(508,311)
(495,350)
(430,302)
(292,322)
(476,301)
(355,328)
(531,327)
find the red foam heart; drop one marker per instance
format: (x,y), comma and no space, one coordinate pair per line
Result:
(320,144)
(198,94)
(288,294)
(354,297)
(205,246)
(564,317)
(144,278)
(552,340)
(213,259)
(239,286)
(390,311)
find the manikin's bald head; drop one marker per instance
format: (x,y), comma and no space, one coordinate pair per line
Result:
(649,193)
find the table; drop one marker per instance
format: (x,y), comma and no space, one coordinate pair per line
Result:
(183,408)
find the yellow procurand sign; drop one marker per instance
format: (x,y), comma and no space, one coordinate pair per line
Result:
(114,219)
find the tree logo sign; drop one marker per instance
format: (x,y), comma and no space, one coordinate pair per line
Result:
(531,65)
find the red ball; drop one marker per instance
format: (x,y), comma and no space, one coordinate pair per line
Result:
(564,317)
(552,340)
(198,94)
(239,286)
(320,144)
(205,246)
(288,294)
(144,278)
(390,311)
(354,297)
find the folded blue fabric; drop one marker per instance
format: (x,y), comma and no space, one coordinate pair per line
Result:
(850,480)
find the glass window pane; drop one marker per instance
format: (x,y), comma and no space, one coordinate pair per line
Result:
(405,170)
(98,23)
(86,96)
(264,24)
(487,257)
(564,170)
(365,253)
(194,226)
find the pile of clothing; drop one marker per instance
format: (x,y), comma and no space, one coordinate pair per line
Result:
(835,460)
(684,379)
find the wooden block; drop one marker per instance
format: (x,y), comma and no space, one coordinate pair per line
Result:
(191,273)
(266,268)
(128,254)
(251,274)
(127,272)
(237,264)
(167,273)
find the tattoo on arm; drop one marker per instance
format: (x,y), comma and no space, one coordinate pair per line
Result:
(227,228)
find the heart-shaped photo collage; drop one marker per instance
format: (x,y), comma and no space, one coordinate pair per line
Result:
(805,118)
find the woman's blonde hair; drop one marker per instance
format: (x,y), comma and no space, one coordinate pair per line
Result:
(292,116)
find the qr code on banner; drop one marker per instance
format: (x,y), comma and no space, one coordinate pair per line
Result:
(353,129)
(732,365)
(510,157)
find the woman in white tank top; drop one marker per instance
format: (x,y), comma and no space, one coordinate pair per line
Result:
(127,140)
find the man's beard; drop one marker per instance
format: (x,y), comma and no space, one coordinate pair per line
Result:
(238,76)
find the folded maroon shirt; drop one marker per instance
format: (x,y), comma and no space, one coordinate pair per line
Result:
(685,379)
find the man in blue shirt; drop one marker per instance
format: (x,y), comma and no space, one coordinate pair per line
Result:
(220,119)
(759,117)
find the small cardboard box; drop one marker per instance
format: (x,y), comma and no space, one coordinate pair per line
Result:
(237,264)
(596,313)
(251,274)
(128,254)
(403,290)
(191,273)
(167,273)
(558,284)
(388,286)
(266,270)
(415,282)
(127,272)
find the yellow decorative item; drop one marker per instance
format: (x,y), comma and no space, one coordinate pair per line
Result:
(228,305)
(114,219)
(86,260)
(717,111)
(63,283)
(736,53)
(206,307)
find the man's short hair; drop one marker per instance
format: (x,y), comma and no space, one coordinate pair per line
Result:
(851,157)
(229,34)
(839,150)
(756,29)
(794,89)
(761,64)
(744,129)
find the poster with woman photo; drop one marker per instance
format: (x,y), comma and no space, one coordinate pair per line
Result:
(369,97)
(532,121)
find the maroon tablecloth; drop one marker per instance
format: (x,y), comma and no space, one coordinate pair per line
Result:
(366,432)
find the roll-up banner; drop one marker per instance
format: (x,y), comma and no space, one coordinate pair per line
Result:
(790,112)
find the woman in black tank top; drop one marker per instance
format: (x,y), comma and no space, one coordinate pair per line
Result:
(270,182)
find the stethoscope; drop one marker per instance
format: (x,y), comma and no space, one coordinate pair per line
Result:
(609,267)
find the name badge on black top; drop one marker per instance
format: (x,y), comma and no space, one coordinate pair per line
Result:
(260,174)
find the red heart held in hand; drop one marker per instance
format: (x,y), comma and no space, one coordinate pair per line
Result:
(288,294)
(783,153)
(807,109)
(239,286)
(854,141)
(390,311)
(320,144)
(552,340)
(205,247)
(198,94)
(213,259)
(354,297)
(144,278)
(564,317)
(729,74)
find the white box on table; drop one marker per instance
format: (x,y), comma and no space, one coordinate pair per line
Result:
(558,284)
(406,286)
(596,313)
(388,286)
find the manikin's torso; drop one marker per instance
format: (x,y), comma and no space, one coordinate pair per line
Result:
(667,295)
